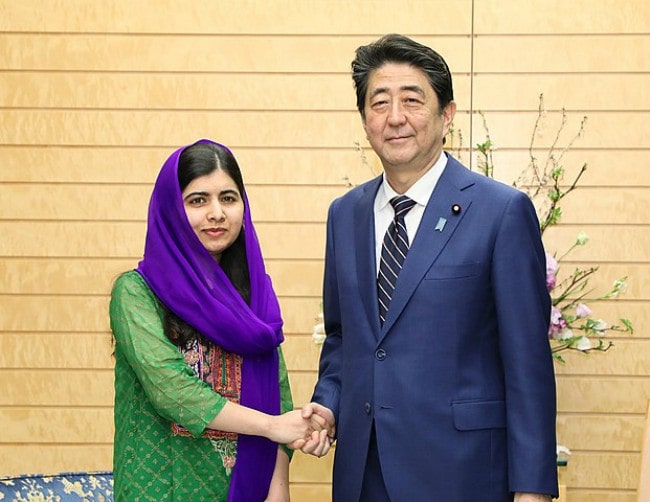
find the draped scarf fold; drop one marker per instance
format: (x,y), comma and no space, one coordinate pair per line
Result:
(189,282)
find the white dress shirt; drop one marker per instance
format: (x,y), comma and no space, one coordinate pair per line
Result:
(420,192)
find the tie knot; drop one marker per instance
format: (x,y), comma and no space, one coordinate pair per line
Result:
(402,205)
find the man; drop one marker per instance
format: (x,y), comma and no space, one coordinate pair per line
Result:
(436,370)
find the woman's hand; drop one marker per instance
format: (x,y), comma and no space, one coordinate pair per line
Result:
(291,426)
(323,434)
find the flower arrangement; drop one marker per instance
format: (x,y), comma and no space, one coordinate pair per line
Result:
(573,325)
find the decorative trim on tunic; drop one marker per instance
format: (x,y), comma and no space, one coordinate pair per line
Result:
(222,371)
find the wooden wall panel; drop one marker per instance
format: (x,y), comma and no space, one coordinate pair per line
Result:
(605,205)
(314,492)
(574,91)
(623,243)
(581,495)
(126,239)
(125,127)
(302,385)
(58,425)
(201,53)
(293,166)
(246,17)
(70,239)
(242,129)
(556,16)
(179,91)
(563,53)
(603,432)
(602,394)
(627,357)
(68,388)
(606,130)
(312,470)
(604,470)
(300,313)
(277,203)
(40,313)
(301,352)
(80,276)
(95,96)
(83,350)
(128,165)
(45,313)
(54,458)
(185,91)
(605,168)
(129,203)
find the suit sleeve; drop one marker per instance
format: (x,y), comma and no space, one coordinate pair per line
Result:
(523,312)
(328,387)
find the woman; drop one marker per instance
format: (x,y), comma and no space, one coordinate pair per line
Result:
(200,381)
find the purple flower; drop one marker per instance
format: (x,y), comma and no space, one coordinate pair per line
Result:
(551,269)
(558,324)
(551,264)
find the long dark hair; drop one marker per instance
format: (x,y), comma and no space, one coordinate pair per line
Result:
(202,159)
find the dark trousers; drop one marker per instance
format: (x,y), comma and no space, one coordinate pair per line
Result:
(373,488)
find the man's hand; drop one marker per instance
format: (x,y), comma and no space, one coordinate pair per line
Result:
(322,421)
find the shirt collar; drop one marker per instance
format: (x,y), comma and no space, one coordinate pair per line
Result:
(421,190)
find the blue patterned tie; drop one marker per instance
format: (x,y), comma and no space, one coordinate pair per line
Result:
(393,253)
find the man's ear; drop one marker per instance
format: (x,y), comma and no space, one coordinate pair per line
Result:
(448,114)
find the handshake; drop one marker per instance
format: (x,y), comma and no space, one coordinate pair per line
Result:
(311,429)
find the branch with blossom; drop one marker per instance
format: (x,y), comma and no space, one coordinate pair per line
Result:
(572,326)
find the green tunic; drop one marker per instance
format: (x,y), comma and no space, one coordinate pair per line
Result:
(154,389)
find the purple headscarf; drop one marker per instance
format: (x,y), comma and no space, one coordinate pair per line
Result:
(188,281)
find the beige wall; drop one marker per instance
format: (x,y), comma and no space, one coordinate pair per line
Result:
(94,95)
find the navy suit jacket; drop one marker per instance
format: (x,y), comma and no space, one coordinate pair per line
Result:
(459,380)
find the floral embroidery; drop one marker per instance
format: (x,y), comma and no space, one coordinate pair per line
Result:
(192,357)
(222,371)
(227,449)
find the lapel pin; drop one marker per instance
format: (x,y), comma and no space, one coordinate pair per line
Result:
(441,224)
(456,209)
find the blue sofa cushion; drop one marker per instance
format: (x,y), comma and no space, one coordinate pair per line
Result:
(63,487)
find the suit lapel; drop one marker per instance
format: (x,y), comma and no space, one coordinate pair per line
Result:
(364,225)
(430,240)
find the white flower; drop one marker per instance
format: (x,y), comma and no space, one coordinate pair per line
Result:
(582,311)
(583,343)
(620,286)
(317,338)
(318,333)
(582,239)
(565,334)
(600,326)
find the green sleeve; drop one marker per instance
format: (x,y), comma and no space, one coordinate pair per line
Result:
(169,383)
(285,395)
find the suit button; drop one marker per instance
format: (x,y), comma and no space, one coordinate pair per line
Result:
(380,354)
(367,408)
